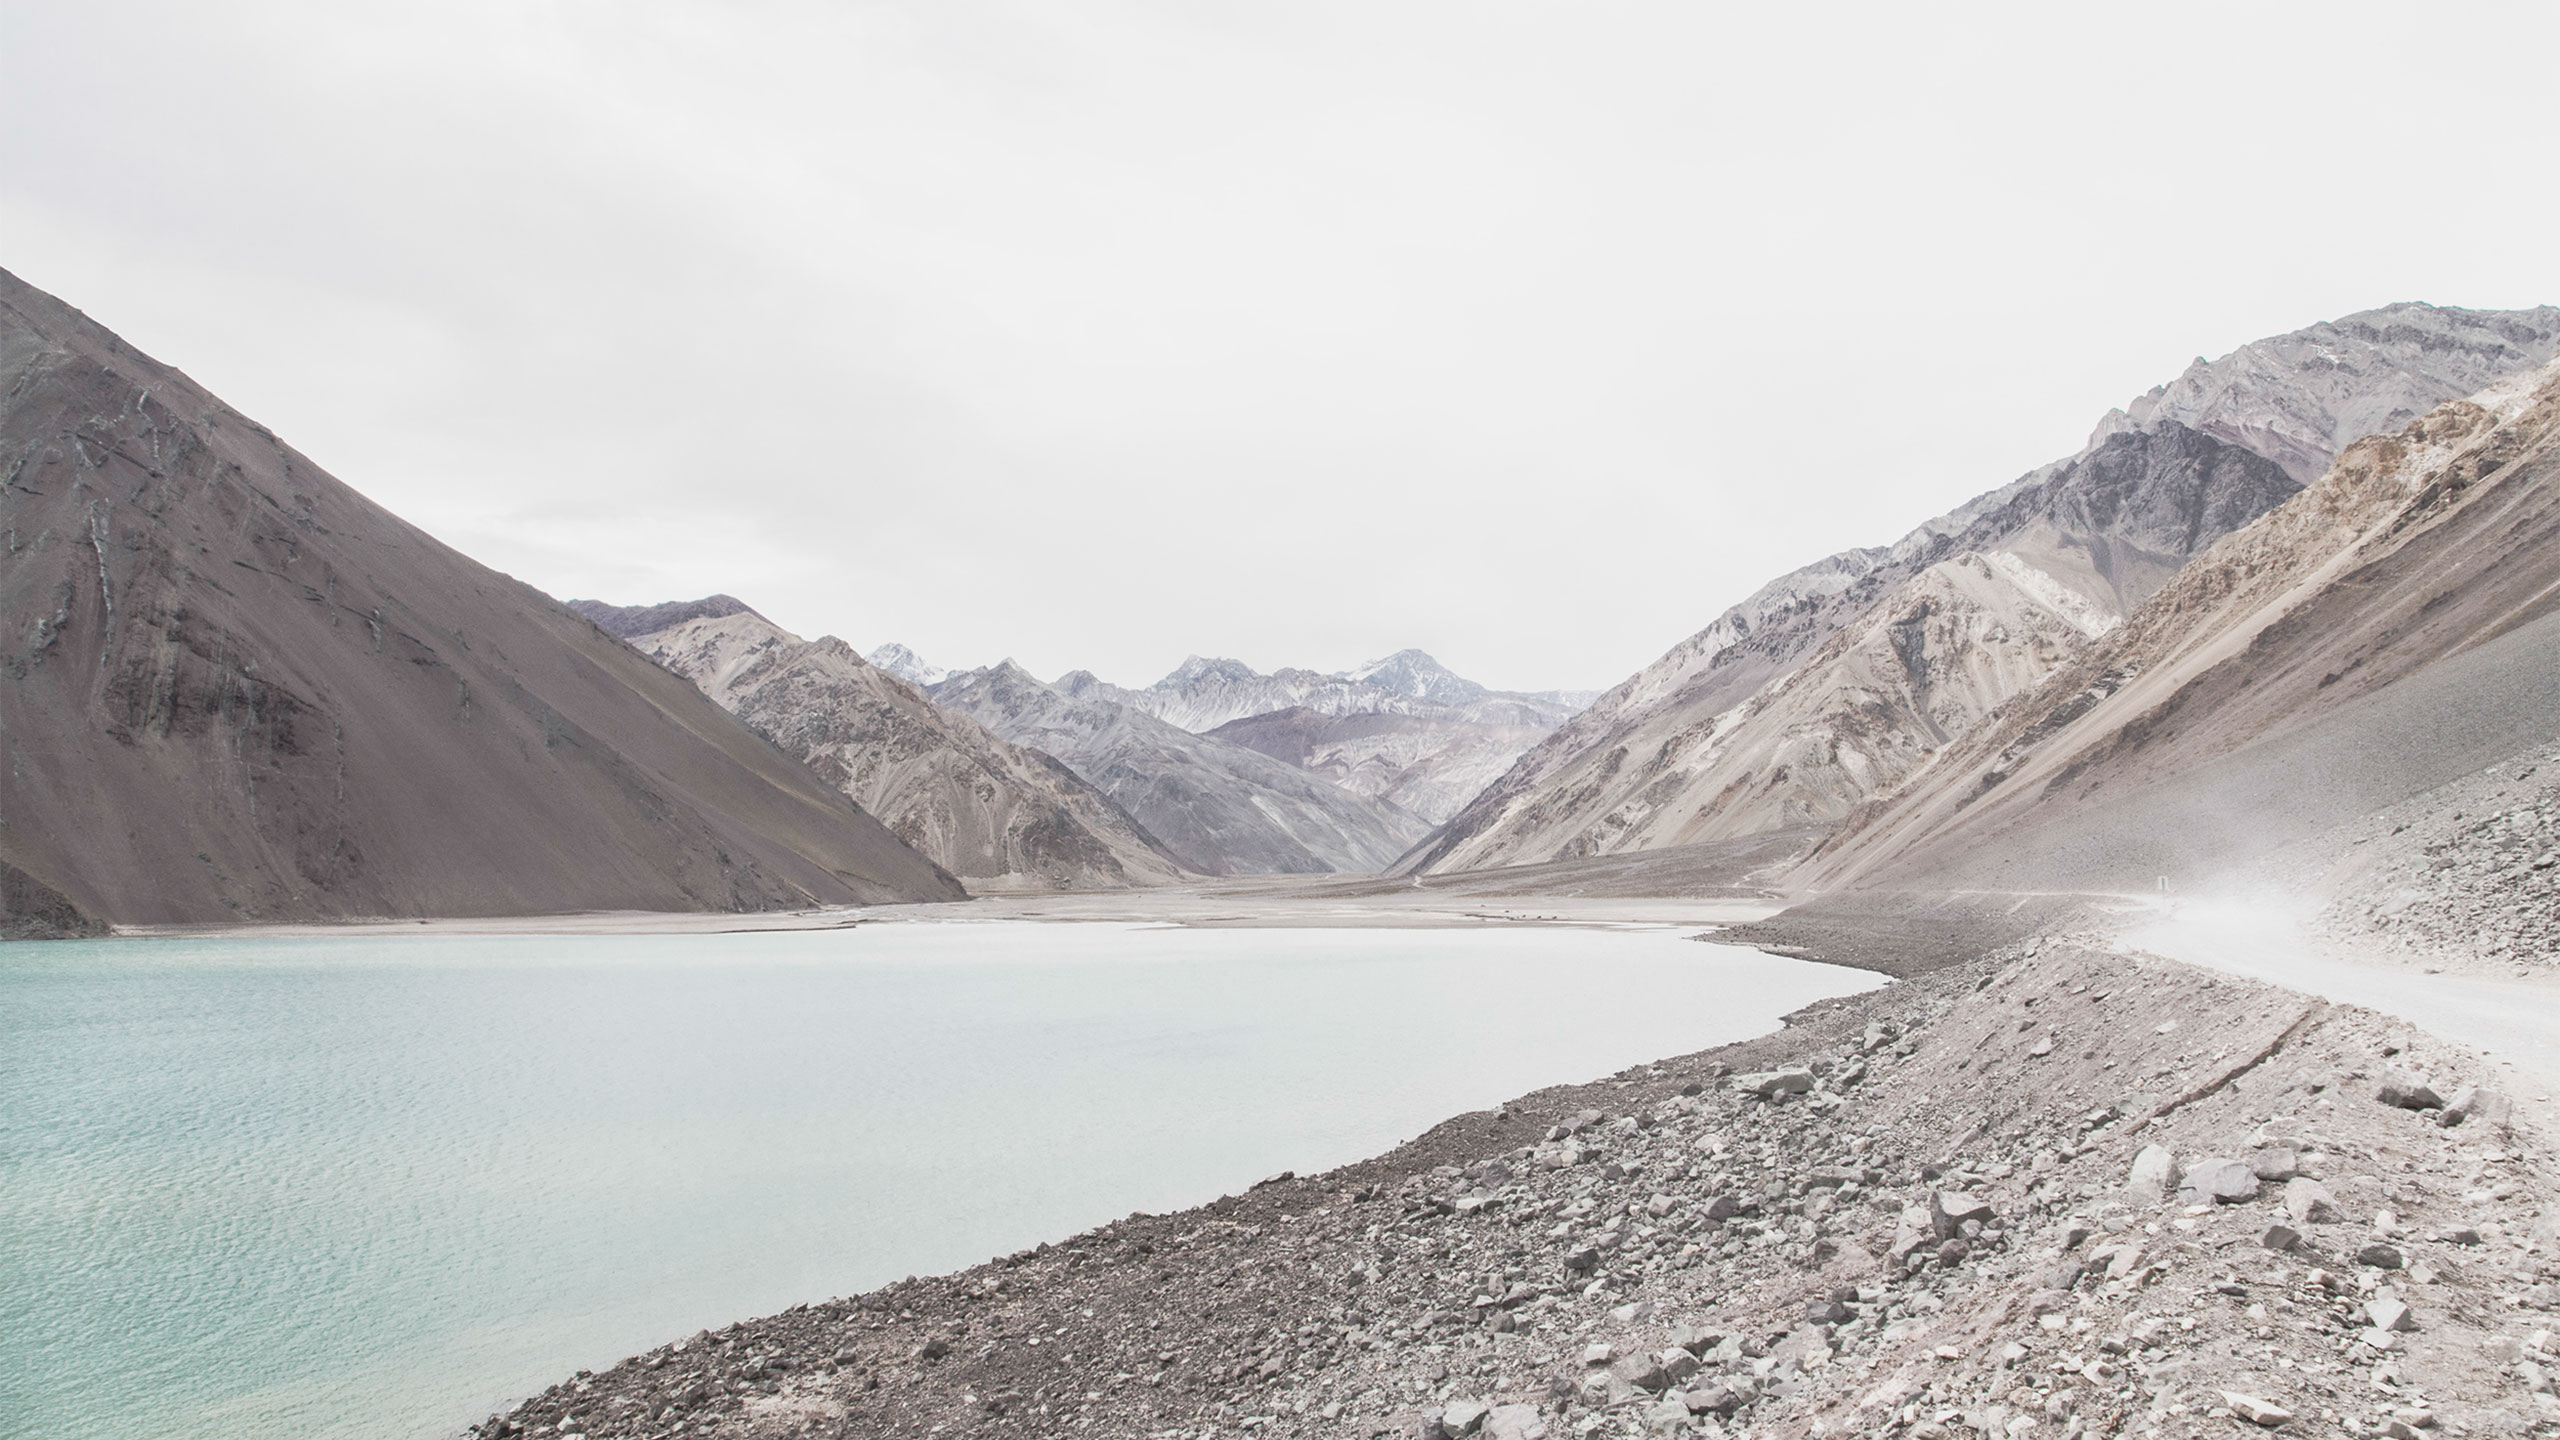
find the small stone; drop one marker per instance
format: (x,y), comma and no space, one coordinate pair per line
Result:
(1677,1363)
(1660,1206)
(2408,1091)
(1463,1417)
(2257,1411)
(2154,1175)
(2387,1312)
(2380,1256)
(2309,1202)
(2280,1237)
(1599,1352)
(1515,1422)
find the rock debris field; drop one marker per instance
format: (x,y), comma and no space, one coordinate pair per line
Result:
(2042,1194)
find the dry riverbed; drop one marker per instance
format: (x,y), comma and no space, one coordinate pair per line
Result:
(2053,1191)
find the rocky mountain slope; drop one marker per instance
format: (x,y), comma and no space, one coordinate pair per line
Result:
(238,690)
(2059,1191)
(1678,752)
(1223,808)
(1430,763)
(2394,628)
(983,808)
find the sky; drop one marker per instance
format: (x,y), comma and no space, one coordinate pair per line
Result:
(1096,335)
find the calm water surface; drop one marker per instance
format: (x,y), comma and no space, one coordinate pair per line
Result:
(377,1186)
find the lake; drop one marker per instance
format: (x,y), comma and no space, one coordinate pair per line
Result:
(380,1185)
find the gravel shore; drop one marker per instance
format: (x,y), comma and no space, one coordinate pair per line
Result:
(2053,1191)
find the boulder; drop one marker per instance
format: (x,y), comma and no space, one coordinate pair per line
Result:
(1515,1422)
(2408,1091)
(2280,1237)
(2473,1104)
(2218,1181)
(2380,1256)
(2275,1164)
(1770,1084)
(1463,1417)
(1950,1209)
(2154,1175)
(1642,1371)
(2309,1202)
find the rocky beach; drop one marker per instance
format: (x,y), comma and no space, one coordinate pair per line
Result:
(2056,1189)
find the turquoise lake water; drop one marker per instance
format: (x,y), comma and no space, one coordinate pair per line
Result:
(379,1186)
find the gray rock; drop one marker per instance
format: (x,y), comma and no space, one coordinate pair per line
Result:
(2257,1411)
(2474,1104)
(2275,1163)
(1515,1422)
(1769,1084)
(2154,1175)
(2280,1237)
(2409,1092)
(2309,1202)
(1463,1417)
(1642,1371)
(1696,1339)
(2388,1312)
(1677,1363)
(1711,1400)
(1950,1209)
(2380,1256)
(2218,1181)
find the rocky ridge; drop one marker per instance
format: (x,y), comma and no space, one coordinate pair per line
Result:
(2057,1190)
(983,808)
(2111,524)
(2391,629)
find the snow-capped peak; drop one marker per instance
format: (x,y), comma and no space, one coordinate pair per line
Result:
(907,665)
(1414,673)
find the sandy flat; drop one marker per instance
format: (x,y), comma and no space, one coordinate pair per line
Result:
(1315,902)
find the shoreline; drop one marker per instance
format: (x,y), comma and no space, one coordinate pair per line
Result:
(1914,1211)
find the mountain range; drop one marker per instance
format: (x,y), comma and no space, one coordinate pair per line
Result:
(992,812)
(2301,585)
(1843,679)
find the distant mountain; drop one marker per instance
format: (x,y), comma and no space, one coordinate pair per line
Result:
(907,665)
(983,808)
(1839,681)
(1456,735)
(235,689)
(2393,629)
(1224,808)
(1431,763)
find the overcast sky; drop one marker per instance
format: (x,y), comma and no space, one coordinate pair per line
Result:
(1095,334)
